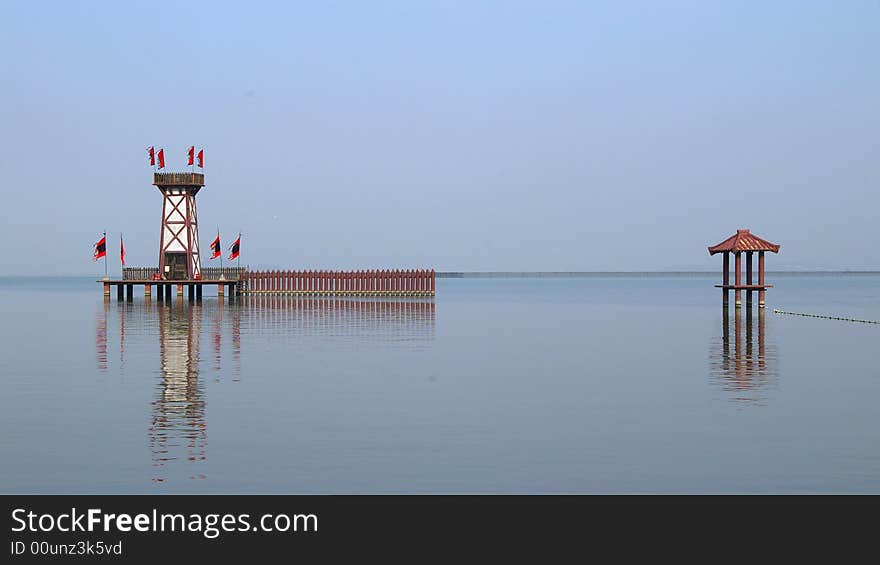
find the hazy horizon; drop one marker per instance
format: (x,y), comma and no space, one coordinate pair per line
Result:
(559,136)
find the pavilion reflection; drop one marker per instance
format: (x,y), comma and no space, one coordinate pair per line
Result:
(743,362)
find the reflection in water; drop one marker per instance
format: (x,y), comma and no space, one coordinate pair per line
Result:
(409,320)
(751,367)
(178,432)
(178,412)
(101,337)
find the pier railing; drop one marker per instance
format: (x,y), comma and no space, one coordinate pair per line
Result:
(208,273)
(386,282)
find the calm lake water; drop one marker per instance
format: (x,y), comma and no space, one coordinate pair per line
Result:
(572,385)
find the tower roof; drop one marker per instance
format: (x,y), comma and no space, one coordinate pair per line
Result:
(743,240)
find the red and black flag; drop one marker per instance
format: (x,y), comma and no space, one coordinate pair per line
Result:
(190,154)
(161,156)
(215,247)
(121,250)
(100,248)
(236,245)
(152,153)
(201,158)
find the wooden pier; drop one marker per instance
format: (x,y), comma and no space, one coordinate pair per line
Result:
(234,282)
(166,288)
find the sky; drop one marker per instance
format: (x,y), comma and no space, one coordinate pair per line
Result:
(467,136)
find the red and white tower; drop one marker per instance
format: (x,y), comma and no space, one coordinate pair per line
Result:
(179,239)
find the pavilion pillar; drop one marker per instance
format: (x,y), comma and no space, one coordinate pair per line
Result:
(725,279)
(738,278)
(749,278)
(761,279)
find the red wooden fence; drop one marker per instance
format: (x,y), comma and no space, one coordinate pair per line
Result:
(396,282)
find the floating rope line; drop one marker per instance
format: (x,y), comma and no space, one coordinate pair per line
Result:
(825,317)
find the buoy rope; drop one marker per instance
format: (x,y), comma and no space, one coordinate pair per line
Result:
(841,318)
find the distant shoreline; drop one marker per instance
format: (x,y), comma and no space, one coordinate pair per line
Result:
(555,274)
(627,274)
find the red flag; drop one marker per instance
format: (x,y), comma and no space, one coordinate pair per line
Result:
(161,156)
(190,153)
(215,247)
(201,157)
(121,250)
(152,153)
(100,249)
(235,247)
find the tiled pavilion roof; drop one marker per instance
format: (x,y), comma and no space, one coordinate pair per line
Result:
(743,240)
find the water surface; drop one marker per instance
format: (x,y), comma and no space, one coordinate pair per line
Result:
(573,385)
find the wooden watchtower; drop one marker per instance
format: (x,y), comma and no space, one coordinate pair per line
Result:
(179,236)
(743,241)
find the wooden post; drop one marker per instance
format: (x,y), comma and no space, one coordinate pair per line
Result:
(167,292)
(761,279)
(119,290)
(749,278)
(220,289)
(179,289)
(199,292)
(725,279)
(738,278)
(148,291)
(106,289)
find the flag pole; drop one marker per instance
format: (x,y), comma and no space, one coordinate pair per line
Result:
(105,255)
(221,249)
(238,258)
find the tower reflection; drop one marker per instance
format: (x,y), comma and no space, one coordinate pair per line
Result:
(178,429)
(744,362)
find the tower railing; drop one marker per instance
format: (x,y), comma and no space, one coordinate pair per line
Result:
(179,179)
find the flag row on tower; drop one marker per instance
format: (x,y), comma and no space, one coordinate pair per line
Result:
(192,158)
(99,249)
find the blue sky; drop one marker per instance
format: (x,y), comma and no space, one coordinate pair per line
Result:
(454,135)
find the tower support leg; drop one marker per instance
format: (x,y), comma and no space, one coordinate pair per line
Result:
(119,290)
(179,289)
(148,291)
(107,289)
(199,292)
(129,292)
(167,292)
